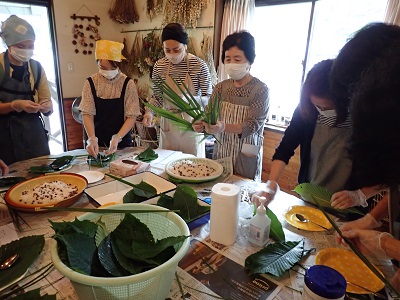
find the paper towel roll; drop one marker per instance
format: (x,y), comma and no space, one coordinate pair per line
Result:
(224,213)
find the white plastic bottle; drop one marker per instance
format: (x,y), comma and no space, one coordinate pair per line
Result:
(260,225)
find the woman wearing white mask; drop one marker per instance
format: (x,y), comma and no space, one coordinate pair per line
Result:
(181,67)
(24,95)
(110,103)
(244,108)
(323,140)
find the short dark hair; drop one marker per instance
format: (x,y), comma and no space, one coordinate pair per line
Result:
(176,32)
(316,84)
(366,45)
(244,41)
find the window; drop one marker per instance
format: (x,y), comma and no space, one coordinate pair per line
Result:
(284,56)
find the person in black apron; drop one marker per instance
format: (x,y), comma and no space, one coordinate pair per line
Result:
(23,97)
(109,103)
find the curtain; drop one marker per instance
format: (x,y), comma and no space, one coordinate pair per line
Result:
(392,15)
(238,15)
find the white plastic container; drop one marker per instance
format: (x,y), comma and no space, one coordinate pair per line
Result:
(260,225)
(224,213)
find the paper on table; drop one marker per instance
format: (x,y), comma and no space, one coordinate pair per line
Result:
(7,234)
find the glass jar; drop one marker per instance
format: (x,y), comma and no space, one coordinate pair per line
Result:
(323,283)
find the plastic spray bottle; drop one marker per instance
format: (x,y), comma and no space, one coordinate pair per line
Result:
(260,225)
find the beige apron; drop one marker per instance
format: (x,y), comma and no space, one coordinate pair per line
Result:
(173,138)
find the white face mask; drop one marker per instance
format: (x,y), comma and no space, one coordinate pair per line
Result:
(175,58)
(22,55)
(326,113)
(109,74)
(237,71)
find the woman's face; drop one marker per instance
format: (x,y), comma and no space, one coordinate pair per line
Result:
(235,56)
(104,64)
(322,103)
(173,47)
(27,45)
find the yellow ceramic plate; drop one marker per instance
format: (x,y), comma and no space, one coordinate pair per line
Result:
(309,213)
(351,267)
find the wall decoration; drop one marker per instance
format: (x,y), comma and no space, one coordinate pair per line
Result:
(154,8)
(84,33)
(124,12)
(186,12)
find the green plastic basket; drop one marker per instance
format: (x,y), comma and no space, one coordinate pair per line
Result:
(150,285)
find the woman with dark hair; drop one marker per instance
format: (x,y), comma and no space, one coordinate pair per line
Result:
(110,103)
(245,103)
(322,138)
(181,67)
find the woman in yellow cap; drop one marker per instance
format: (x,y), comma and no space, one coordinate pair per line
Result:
(110,103)
(24,95)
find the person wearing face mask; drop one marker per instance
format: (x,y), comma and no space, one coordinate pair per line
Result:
(184,68)
(323,141)
(110,102)
(245,103)
(24,95)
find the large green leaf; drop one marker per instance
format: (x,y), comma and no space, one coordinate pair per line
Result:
(147,155)
(276,258)
(108,259)
(276,232)
(143,251)
(28,249)
(309,191)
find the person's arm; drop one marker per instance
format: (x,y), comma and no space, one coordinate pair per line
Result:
(88,123)
(155,99)
(44,95)
(204,78)
(391,246)
(4,168)
(345,199)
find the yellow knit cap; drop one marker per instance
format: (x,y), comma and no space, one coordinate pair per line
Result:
(109,50)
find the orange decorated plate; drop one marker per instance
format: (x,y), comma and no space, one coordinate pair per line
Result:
(352,268)
(58,190)
(309,213)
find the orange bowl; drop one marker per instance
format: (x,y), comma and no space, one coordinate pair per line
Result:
(13,195)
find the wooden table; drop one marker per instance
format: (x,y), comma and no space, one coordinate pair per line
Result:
(38,224)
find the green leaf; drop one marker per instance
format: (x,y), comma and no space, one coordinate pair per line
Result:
(9,181)
(276,231)
(80,226)
(128,264)
(34,295)
(309,191)
(28,249)
(142,250)
(140,193)
(57,165)
(276,258)
(108,259)
(147,155)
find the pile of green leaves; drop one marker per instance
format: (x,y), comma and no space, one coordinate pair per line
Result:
(129,249)
(58,165)
(102,159)
(147,155)
(11,180)
(212,112)
(185,202)
(276,258)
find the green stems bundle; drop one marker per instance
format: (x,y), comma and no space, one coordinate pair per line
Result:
(184,103)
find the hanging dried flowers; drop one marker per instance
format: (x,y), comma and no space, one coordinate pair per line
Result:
(152,50)
(185,12)
(153,8)
(124,11)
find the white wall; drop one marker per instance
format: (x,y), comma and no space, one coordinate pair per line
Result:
(85,65)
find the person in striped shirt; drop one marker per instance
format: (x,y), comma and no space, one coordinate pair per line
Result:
(182,67)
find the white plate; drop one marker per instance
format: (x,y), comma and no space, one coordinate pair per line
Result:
(114,191)
(216,166)
(92,176)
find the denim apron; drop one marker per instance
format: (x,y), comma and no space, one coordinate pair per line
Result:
(171,136)
(110,117)
(22,135)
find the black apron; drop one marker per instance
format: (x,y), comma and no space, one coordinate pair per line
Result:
(22,135)
(109,117)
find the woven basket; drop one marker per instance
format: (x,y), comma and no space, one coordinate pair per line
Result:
(150,285)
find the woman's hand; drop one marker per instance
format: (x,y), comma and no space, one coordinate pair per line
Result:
(26,106)
(92,146)
(345,199)
(214,129)
(4,168)
(147,119)
(366,222)
(198,126)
